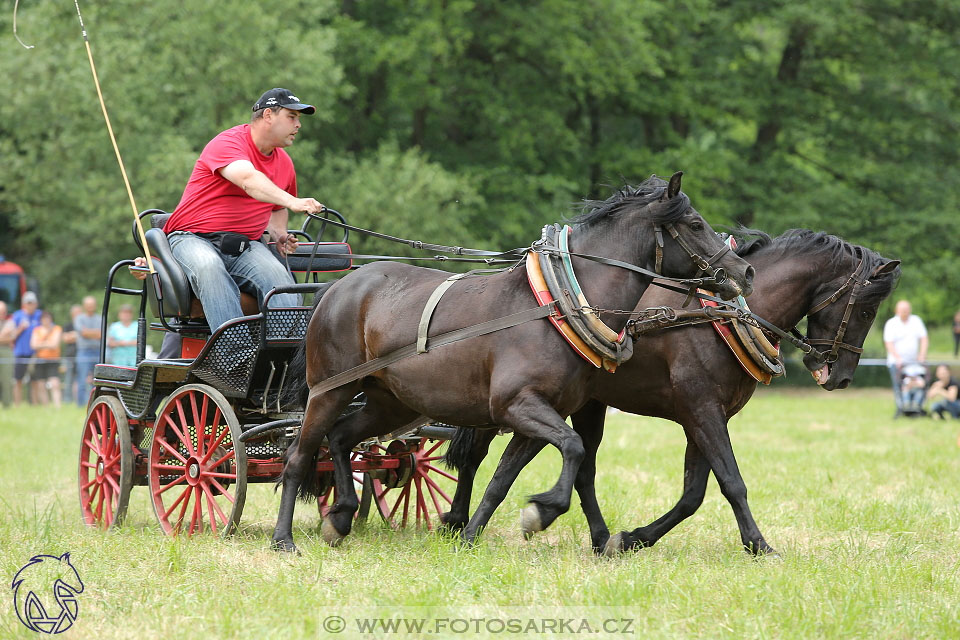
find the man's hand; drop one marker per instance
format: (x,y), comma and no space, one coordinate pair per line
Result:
(287,243)
(307,205)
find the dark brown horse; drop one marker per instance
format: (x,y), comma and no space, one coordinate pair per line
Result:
(690,376)
(525,377)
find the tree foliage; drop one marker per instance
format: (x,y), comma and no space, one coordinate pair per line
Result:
(474,121)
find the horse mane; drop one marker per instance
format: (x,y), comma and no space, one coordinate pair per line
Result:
(645,193)
(828,248)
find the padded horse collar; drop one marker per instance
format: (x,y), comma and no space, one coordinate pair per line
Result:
(551,276)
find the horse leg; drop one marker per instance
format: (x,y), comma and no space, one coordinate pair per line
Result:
(713,439)
(696,471)
(381,414)
(588,422)
(531,416)
(456,519)
(321,413)
(519,451)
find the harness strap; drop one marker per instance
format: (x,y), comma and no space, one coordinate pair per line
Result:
(490,326)
(430,307)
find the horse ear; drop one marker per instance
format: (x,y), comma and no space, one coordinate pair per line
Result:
(886,268)
(674,187)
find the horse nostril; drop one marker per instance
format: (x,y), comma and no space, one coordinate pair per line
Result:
(748,275)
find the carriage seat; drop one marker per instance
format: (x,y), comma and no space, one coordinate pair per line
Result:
(178,299)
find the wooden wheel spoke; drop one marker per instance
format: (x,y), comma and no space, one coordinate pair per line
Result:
(99,510)
(94,447)
(90,496)
(88,465)
(184,423)
(213,447)
(229,455)
(222,491)
(421,503)
(180,435)
(86,485)
(433,489)
(214,507)
(171,451)
(196,518)
(166,514)
(171,485)
(114,485)
(433,483)
(183,507)
(198,422)
(217,474)
(171,467)
(434,448)
(443,473)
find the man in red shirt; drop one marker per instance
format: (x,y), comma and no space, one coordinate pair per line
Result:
(242,185)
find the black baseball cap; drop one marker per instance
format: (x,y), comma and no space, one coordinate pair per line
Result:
(283,98)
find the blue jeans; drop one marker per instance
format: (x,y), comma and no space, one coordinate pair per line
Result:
(86,359)
(895,379)
(218,279)
(952,407)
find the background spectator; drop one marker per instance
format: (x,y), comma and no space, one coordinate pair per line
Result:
(905,338)
(69,351)
(122,339)
(946,388)
(45,342)
(87,326)
(6,356)
(956,333)
(25,319)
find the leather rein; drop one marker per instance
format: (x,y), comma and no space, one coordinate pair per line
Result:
(853,284)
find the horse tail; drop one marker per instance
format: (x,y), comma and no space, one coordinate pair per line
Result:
(294,393)
(309,489)
(460,448)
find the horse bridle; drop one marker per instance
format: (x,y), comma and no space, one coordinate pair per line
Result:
(704,264)
(853,284)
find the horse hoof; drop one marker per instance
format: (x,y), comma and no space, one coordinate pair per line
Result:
(530,520)
(614,546)
(330,534)
(285,546)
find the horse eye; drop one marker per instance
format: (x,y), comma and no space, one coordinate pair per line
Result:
(866,315)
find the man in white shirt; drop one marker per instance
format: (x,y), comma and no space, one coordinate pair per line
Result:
(905,337)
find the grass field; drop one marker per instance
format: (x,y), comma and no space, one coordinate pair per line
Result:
(864,509)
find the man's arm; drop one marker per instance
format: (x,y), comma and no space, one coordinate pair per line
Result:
(277,228)
(258,186)
(924,343)
(893,352)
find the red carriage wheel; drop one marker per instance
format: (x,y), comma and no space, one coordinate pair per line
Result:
(106,464)
(198,467)
(363,484)
(422,498)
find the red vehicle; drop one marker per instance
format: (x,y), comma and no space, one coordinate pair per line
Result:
(197,430)
(13,283)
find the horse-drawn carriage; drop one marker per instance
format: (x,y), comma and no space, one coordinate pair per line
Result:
(197,427)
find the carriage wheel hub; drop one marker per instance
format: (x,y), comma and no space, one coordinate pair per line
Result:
(193,471)
(100,467)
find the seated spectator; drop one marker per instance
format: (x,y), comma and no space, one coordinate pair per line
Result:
(913,387)
(945,391)
(45,342)
(122,339)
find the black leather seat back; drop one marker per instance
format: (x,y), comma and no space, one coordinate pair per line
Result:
(176,292)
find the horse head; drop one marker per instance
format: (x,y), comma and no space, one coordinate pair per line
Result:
(674,239)
(697,248)
(843,314)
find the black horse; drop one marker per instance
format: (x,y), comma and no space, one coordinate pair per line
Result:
(524,377)
(690,376)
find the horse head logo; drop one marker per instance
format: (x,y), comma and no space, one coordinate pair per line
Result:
(45,593)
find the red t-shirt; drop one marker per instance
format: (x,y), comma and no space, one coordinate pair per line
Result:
(211,203)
